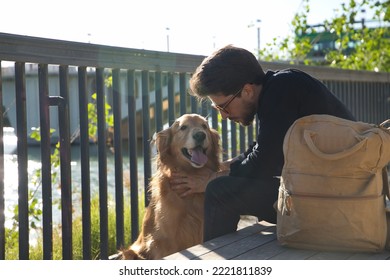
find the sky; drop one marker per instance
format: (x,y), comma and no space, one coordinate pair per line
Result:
(180,26)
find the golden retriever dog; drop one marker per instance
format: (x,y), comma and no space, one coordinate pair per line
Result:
(173,223)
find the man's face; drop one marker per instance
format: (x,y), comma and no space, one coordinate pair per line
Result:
(236,108)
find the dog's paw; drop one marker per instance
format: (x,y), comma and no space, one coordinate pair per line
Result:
(129,254)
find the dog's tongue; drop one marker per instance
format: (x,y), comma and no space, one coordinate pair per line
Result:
(198,156)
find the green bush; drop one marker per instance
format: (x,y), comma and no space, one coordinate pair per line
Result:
(36,250)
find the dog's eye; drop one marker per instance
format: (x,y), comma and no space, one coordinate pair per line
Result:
(183,127)
(205,126)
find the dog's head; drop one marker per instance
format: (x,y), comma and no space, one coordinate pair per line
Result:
(189,142)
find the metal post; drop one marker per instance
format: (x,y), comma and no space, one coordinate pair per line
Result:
(258,37)
(167,38)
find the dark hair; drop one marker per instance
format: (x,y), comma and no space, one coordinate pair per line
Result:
(225,71)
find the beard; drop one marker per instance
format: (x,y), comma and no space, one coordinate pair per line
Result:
(249,114)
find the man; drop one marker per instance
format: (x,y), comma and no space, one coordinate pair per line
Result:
(234,82)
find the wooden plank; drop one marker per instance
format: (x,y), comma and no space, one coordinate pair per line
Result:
(212,245)
(294,254)
(330,256)
(239,247)
(385,255)
(274,251)
(264,251)
(298,254)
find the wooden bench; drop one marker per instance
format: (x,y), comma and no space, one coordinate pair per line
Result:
(258,242)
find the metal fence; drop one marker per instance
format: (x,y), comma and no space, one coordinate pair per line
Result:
(148,91)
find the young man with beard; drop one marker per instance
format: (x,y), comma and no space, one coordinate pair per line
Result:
(235,83)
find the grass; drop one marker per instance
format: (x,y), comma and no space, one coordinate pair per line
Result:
(36,250)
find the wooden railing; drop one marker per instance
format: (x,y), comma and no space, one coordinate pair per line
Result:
(148,91)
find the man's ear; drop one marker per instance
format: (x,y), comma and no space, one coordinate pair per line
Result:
(248,92)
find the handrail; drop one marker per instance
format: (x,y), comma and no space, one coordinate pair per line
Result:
(50,51)
(36,50)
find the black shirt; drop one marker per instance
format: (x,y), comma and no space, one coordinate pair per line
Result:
(287,95)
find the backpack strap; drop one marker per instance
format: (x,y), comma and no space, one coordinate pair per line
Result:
(386,186)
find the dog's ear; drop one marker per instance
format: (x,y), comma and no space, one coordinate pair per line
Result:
(215,139)
(163,143)
(215,145)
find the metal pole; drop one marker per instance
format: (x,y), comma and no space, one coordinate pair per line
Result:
(258,36)
(167,38)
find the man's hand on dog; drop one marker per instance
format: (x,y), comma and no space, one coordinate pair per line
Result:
(184,185)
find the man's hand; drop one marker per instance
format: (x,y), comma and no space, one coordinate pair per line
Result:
(185,185)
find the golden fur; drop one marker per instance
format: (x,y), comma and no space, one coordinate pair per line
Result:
(172,223)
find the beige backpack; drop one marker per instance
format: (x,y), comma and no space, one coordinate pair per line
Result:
(334,185)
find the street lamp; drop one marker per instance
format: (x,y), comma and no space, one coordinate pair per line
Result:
(257,25)
(167,38)
(363,19)
(258,21)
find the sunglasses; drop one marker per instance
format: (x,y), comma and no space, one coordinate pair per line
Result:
(222,107)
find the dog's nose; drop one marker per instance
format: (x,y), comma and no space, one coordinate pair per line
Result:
(199,136)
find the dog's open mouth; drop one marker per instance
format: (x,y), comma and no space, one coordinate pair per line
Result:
(196,155)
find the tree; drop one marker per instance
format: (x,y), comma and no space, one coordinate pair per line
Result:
(357,45)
